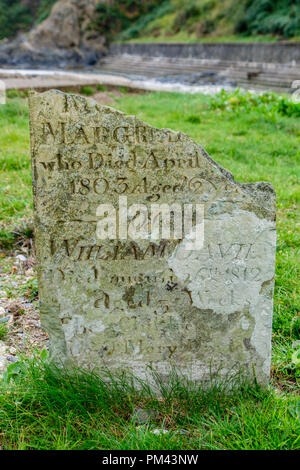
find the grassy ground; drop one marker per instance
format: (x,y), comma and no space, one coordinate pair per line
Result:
(255,138)
(213,21)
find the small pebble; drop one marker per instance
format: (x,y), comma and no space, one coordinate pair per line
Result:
(29,272)
(11,358)
(21,258)
(27,305)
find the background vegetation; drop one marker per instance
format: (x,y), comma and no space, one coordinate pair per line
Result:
(255,137)
(49,409)
(170,19)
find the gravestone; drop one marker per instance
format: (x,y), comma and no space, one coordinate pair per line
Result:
(117,292)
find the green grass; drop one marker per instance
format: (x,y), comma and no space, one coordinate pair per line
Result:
(46,408)
(255,138)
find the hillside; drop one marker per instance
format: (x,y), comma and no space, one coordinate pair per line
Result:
(210,20)
(166,20)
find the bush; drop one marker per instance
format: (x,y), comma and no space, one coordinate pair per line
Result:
(101,88)
(193,119)
(3,332)
(268,103)
(13,93)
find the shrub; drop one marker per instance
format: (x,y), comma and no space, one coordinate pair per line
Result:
(268,103)
(44,10)
(16,93)
(101,88)
(19,16)
(193,119)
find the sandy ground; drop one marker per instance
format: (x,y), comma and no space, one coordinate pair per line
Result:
(44,80)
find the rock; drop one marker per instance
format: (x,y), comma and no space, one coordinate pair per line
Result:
(117,292)
(62,39)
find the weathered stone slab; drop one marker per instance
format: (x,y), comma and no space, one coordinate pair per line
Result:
(125,302)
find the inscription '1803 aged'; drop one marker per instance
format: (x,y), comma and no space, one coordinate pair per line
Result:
(138,296)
